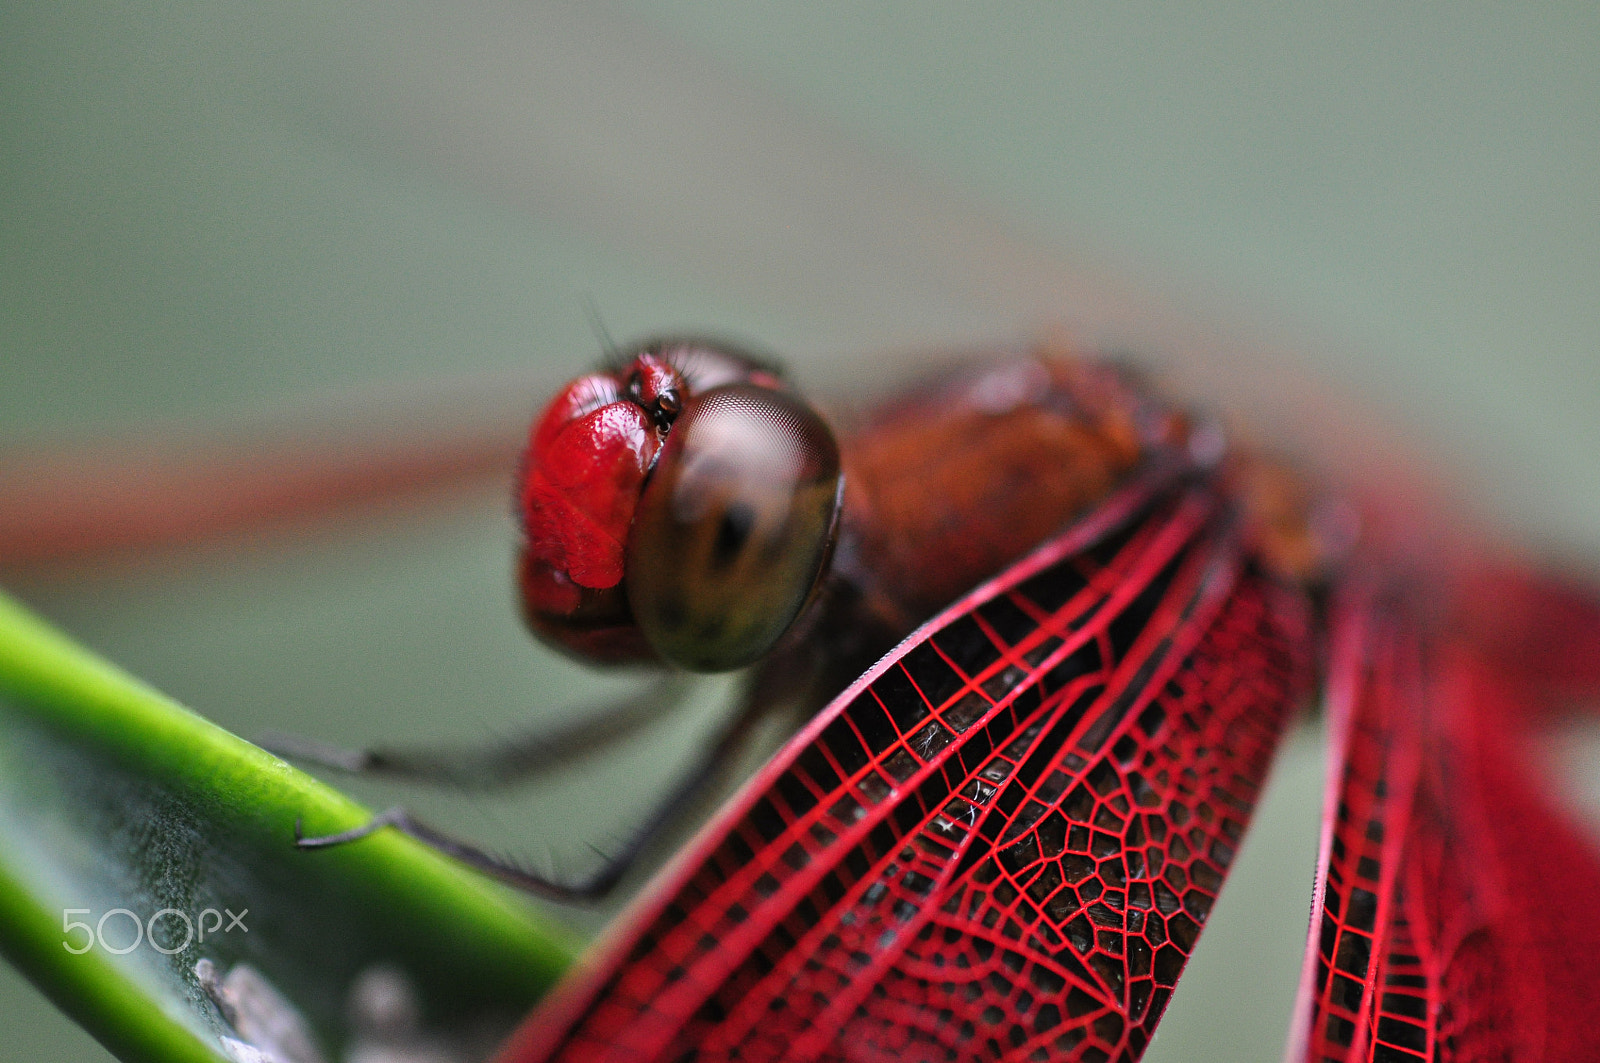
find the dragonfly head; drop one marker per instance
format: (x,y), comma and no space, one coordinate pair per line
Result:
(680,506)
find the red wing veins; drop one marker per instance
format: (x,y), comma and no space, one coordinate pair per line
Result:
(1453,918)
(1000,843)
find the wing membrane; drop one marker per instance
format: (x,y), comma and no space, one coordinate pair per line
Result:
(1452,917)
(1001,843)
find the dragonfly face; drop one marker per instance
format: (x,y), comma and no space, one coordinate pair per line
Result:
(680,508)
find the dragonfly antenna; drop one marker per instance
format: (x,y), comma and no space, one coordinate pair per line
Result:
(592,311)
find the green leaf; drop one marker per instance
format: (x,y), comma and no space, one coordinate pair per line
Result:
(118,805)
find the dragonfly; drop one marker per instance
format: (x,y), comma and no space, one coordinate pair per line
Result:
(650,69)
(1003,839)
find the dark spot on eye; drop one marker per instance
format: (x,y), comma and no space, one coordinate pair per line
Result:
(732,534)
(664,410)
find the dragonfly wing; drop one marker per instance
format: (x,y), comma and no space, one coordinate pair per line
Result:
(1543,632)
(1000,843)
(1453,915)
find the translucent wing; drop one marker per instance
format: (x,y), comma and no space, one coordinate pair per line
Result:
(1000,843)
(1453,916)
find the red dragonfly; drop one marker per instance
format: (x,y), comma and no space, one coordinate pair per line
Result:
(1002,841)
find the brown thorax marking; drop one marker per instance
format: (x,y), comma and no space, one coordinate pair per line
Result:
(945,488)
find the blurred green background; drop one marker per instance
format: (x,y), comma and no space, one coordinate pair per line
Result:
(218,213)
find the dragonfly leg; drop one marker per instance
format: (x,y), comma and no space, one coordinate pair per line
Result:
(602,880)
(499,764)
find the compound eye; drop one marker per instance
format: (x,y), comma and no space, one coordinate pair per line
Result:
(734,527)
